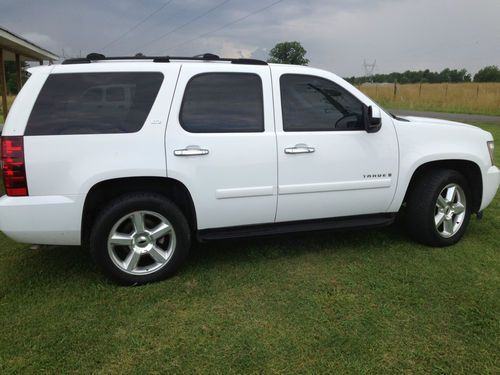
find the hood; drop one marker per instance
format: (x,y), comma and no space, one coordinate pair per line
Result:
(428,124)
(435,121)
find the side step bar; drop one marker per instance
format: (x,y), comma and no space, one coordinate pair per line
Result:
(272,229)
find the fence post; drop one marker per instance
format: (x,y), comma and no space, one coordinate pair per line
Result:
(395,89)
(446,92)
(477,92)
(420,90)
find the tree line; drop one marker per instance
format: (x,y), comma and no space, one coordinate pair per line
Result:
(486,74)
(295,53)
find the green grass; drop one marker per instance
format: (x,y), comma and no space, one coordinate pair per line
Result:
(359,302)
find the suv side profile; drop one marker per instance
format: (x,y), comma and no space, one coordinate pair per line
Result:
(137,157)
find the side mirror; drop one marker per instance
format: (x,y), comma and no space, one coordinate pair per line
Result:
(372,119)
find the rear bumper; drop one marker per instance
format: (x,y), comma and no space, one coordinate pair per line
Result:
(491,181)
(51,220)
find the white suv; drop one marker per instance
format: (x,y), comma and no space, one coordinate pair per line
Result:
(134,157)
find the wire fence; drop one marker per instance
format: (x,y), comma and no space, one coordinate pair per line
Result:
(478,98)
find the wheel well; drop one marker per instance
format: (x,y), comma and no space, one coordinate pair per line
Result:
(105,191)
(468,169)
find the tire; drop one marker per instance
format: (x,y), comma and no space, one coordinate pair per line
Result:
(140,238)
(434,215)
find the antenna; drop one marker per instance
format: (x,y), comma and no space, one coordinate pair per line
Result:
(369,69)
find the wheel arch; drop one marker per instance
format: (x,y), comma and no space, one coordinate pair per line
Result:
(469,169)
(104,191)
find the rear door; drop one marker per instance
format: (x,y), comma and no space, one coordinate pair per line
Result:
(221,144)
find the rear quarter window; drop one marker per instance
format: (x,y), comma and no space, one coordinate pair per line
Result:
(94,103)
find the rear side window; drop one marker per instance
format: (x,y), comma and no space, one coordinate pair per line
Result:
(223,103)
(94,103)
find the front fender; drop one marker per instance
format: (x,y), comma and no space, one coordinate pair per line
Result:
(423,143)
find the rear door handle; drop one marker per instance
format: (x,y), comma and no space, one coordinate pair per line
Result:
(299,149)
(191,151)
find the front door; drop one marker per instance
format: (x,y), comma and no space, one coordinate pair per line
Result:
(329,166)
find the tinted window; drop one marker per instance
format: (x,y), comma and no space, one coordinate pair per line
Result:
(90,103)
(223,103)
(315,104)
(115,94)
(92,95)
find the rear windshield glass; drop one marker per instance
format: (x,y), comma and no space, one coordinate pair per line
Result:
(94,103)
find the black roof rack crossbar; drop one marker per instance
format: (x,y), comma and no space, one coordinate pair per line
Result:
(162,59)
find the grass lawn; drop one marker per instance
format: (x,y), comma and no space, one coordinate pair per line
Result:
(359,302)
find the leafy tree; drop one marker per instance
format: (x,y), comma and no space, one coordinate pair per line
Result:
(409,76)
(11,77)
(288,53)
(488,74)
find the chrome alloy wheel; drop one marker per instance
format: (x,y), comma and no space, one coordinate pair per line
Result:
(449,213)
(141,243)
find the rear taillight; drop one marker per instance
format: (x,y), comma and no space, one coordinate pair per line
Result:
(14,171)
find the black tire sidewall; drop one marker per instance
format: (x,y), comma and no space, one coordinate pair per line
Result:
(125,205)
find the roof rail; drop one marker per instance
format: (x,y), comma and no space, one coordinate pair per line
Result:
(92,57)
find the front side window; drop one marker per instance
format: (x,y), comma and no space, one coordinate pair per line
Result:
(223,103)
(311,103)
(94,103)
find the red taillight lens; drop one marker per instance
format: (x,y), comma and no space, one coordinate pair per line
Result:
(14,172)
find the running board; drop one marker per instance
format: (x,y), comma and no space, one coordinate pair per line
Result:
(273,229)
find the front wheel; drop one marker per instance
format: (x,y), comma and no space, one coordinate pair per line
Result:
(439,208)
(140,238)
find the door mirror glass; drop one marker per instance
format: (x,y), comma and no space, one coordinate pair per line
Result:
(372,119)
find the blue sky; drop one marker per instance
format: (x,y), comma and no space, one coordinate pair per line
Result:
(338,34)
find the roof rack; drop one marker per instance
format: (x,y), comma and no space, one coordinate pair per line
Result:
(93,57)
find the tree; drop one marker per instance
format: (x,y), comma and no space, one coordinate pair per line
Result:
(411,76)
(488,74)
(11,76)
(288,53)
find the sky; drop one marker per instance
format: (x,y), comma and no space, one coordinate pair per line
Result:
(339,35)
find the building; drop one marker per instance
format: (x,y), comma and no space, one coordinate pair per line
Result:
(16,48)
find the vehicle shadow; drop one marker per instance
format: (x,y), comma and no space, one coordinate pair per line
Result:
(295,244)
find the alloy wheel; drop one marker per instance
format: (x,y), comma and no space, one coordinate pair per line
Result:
(141,242)
(449,213)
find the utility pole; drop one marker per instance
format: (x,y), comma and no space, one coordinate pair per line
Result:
(369,69)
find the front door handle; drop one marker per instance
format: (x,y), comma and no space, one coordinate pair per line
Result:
(299,149)
(191,151)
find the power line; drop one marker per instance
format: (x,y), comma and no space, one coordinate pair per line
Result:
(228,24)
(184,24)
(136,25)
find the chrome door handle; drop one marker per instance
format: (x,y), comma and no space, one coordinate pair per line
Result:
(191,151)
(299,149)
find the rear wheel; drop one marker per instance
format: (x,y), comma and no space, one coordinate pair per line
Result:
(439,208)
(140,238)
